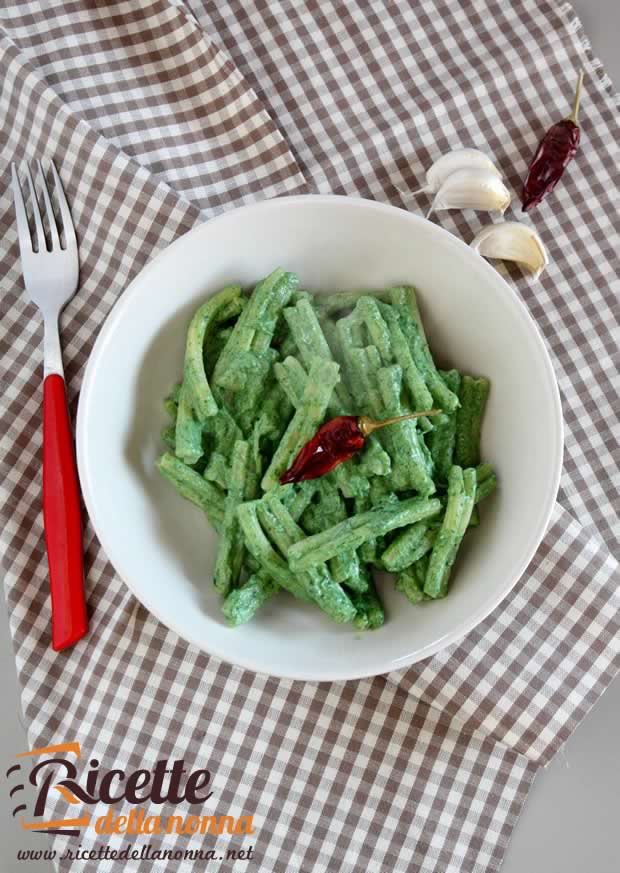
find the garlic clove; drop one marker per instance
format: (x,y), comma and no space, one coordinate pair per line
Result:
(457,159)
(512,241)
(472,189)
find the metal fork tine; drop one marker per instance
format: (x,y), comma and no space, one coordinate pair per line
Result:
(51,218)
(36,211)
(23,228)
(70,240)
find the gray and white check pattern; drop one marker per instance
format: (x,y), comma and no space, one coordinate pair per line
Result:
(160,114)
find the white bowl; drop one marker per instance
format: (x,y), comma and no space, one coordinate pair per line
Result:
(162,546)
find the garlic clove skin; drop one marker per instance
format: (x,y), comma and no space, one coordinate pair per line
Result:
(472,189)
(512,241)
(457,159)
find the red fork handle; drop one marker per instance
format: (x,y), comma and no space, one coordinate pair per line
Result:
(62,520)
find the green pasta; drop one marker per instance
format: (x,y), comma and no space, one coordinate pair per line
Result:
(461,496)
(443,437)
(292,379)
(192,486)
(419,395)
(221,307)
(408,547)
(374,461)
(214,347)
(169,437)
(316,581)
(330,332)
(331,304)
(311,342)
(188,431)
(298,497)
(321,381)
(262,372)
(223,432)
(411,467)
(368,607)
(473,396)
(230,552)
(242,604)
(171,405)
(411,585)
(330,509)
(485,488)
(403,300)
(263,552)
(367,311)
(217,470)
(255,326)
(357,529)
(350,479)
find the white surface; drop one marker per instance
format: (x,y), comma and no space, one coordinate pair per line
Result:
(570,821)
(569,824)
(475,322)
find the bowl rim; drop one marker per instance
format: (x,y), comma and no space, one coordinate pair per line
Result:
(466,625)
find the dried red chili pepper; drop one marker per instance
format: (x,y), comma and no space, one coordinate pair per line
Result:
(555,151)
(336,441)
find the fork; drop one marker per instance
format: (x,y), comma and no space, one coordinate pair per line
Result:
(51,279)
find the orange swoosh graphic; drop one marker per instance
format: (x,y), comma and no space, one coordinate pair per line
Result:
(68,795)
(61,747)
(57,823)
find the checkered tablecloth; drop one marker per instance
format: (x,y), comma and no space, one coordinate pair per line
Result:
(161,113)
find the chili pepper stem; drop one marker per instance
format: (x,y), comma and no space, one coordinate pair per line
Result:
(576,100)
(368,425)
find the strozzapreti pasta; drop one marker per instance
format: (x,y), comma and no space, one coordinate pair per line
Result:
(262,372)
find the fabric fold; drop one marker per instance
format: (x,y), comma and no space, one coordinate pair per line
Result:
(147,78)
